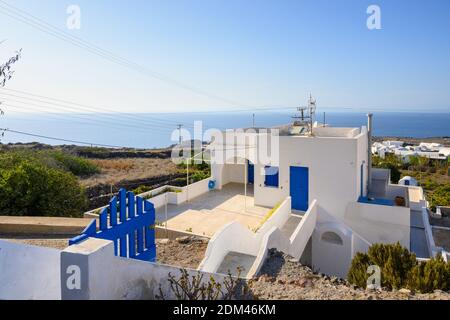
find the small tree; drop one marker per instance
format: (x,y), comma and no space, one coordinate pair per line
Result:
(6,74)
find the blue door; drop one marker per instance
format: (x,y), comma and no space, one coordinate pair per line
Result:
(251,172)
(299,188)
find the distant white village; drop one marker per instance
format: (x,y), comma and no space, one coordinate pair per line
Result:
(429,150)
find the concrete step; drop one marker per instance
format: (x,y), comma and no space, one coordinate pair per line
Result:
(289,227)
(233,260)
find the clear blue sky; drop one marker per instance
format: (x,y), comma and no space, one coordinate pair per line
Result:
(256,53)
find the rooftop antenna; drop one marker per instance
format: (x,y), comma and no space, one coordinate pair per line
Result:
(303,121)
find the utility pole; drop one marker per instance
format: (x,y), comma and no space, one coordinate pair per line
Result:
(253,122)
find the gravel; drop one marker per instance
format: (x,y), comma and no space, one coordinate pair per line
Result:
(186,252)
(283,278)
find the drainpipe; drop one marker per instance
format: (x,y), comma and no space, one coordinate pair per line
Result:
(369,152)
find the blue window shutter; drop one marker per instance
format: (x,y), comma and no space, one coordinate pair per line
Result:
(271,177)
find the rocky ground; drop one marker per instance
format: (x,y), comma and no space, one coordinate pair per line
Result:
(282,277)
(40,241)
(186,252)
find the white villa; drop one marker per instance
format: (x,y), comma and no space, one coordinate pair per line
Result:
(328,207)
(307,190)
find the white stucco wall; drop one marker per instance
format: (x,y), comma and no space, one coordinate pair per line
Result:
(333,171)
(379,224)
(29,272)
(233,173)
(300,237)
(115,278)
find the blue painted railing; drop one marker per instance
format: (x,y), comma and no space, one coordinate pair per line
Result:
(129,222)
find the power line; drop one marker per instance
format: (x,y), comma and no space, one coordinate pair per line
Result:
(85,120)
(90,108)
(49,29)
(63,140)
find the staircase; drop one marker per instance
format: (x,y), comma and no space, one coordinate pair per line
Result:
(236,246)
(233,261)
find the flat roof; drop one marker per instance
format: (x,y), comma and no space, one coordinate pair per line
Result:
(319,131)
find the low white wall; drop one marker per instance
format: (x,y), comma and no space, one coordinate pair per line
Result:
(232,237)
(378,223)
(196,189)
(29,272)
(432,248)
(359,244)
(275,239)
(105,276)
(299,239)
(393,191)
(278,218)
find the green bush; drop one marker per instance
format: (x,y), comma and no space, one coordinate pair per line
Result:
(32,189)
(357,273)
(394,261)
(440,196)
(77,165)
(198,176)
(141,189)
(400,269)
(391,162)
(51,159)
(430,275)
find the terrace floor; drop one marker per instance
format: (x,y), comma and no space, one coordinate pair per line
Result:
(208,213)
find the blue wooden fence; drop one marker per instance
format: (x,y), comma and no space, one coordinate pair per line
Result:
(129,222)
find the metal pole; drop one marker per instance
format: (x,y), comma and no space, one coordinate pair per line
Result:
(369,152)
(167,232)
(187,180)
(245,186)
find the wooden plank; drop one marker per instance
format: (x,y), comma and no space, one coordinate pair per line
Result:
(103,217)
(123,205)
(113,211)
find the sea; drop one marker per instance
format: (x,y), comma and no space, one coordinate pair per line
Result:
(156,130)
